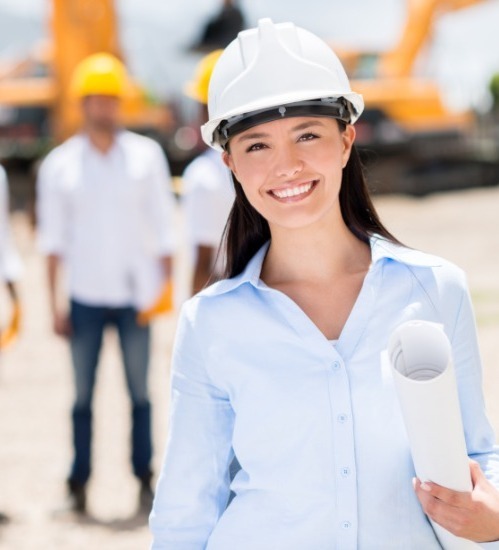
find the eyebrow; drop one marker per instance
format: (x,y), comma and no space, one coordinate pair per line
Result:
(301,126)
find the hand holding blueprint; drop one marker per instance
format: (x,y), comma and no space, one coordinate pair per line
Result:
(421,360)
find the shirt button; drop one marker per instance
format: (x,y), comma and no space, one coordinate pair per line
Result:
(336,366)
(345,471)
(342,418)
(346,524)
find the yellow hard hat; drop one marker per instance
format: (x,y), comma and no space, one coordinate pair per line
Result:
(197,88)
(99,74)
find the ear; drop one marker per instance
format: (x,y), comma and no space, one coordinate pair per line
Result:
(348,138)
(229,161)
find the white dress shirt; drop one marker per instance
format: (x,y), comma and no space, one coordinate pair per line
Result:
(109,216)
(207,199)
(10,263)
(316,428)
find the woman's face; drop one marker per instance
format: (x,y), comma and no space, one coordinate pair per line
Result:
(290,169)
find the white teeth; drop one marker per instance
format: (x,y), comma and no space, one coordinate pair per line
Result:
(292,191)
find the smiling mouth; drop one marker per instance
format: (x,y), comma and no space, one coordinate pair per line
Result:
(295,192)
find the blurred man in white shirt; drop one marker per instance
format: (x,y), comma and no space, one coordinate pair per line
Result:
(10,268)
(105,213)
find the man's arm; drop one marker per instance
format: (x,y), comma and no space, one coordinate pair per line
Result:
(60,318)
(203,270)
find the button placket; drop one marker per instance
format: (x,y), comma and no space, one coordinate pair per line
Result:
(335,366)
(344,450)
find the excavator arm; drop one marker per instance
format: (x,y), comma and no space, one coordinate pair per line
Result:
(78,28)
(421,14)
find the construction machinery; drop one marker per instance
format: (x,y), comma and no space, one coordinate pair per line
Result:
(38,108)
(410,141)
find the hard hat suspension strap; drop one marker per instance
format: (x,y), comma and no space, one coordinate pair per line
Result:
(334,107)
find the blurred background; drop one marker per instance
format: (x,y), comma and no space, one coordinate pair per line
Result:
(429,73)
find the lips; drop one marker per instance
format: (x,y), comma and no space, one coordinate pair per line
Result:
(295,191)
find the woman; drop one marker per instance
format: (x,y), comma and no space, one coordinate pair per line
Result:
(279,364)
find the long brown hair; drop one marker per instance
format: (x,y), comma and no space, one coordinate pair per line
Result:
(247,230)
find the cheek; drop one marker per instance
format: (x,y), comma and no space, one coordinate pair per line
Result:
(250,175)
(251,189)
(251,185)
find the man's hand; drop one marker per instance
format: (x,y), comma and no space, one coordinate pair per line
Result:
(61,325)
(11,332)
(163,304)
(473,515)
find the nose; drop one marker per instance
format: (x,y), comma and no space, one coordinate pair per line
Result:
(287,162)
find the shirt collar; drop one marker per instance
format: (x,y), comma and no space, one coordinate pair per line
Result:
(381,249)
(118,142)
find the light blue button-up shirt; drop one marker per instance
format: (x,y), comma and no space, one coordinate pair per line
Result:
(316,427)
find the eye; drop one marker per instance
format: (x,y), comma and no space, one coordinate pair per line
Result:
(256,147)
(308,137)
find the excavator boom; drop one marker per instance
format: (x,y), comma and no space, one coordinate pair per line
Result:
(421,14)
(78,28)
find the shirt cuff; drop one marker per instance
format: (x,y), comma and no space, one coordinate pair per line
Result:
(494,545)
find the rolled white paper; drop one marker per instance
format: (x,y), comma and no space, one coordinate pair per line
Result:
(421,360)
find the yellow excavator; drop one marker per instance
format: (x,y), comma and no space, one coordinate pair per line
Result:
(414,102)
(411,142)
(37,87)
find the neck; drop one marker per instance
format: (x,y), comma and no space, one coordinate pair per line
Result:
(101,139)
(317,253)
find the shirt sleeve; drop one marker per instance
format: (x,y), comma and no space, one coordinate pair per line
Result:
(204,202)
(50,210)
(478,431)
(479,435)
(161,204)
(193,486)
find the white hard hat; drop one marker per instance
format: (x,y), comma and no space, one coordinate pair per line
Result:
(272,71)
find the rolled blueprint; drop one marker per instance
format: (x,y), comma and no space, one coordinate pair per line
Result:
(421,360)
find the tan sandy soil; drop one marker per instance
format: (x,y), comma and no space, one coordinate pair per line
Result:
(36,391)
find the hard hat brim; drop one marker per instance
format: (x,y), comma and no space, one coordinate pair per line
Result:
(208,130)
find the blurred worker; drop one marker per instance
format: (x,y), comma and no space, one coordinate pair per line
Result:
(105,211)
(10,268)
(208,190)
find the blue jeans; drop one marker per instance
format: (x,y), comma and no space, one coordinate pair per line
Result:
(88,324)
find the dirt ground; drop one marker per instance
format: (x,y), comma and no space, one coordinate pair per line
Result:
(35,385)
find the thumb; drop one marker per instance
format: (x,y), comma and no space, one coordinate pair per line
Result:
(476,472)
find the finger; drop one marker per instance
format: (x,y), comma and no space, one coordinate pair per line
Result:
(447,516)
(457,499)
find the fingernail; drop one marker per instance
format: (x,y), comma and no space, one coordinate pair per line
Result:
(425,487)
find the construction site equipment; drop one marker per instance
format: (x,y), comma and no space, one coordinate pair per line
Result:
(410,141)
(38,90)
